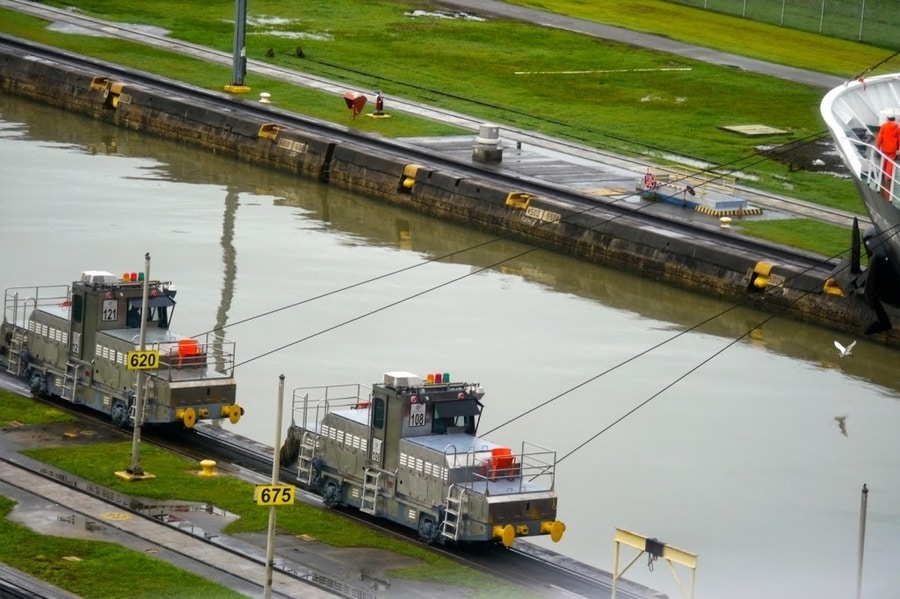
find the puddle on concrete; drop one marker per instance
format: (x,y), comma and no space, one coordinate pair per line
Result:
(440,14)
(199,519)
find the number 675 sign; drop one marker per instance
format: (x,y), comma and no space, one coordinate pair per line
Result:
(273,494)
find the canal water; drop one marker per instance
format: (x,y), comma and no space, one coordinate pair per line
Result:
(714,429)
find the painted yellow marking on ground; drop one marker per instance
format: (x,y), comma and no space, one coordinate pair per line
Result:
(115,516)
(605,191)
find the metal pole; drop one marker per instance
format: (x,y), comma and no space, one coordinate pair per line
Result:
(862,18)
(239,63)
(139,396)
(822,17)
(862,539)
(276,468)
(615,579)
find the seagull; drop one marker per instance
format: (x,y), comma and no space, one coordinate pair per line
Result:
(845,351)
(842,424)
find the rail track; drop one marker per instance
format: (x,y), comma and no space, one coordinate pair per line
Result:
(252,461)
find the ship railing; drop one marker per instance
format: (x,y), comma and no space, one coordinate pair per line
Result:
(189,358)
(20,302)
(310,405)
(880,173)
(533,469)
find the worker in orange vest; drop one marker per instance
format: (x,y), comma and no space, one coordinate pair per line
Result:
(888,142)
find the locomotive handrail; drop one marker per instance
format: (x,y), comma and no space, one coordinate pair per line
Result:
(17,311)
(327,401)
(192,366)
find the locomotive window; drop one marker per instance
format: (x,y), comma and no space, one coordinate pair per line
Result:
(378,413)
(77,307)
(457,407)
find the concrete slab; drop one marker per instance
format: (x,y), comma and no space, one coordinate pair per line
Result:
(752,130)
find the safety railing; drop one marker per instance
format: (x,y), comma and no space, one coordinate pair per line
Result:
(189,358)
(318,401)
(879,173)
(20,302)
(680,179)
(533,469)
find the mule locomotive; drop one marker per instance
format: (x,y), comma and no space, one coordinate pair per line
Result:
(407,449)
(73,342)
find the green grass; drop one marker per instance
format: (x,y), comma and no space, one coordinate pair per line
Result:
(813,236)
(96,569)
(176,478)
(717,29)
(840,18)
(16,410)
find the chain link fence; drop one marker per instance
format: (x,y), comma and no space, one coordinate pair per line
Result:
(875,22)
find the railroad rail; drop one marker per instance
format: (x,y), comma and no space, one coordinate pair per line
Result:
(252,461)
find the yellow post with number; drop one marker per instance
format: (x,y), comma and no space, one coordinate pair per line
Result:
(147,359)
(274,494)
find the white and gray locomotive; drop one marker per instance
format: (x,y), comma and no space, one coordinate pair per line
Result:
(406,449)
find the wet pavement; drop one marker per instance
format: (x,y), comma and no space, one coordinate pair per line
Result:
(53,502)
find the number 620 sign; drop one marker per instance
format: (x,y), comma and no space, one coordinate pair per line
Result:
(147,359)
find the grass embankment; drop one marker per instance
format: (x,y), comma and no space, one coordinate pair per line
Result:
(96,569)
(603,94)
(16,410)
(82,566)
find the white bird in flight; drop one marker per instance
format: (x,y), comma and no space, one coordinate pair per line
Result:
(845,351)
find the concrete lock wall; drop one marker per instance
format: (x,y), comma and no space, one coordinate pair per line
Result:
(482,204)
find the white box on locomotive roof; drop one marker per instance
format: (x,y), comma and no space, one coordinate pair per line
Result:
(98,277)
(402,379)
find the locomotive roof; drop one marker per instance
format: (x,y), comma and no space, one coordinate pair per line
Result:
(358,415)
(461,442)
(153,335)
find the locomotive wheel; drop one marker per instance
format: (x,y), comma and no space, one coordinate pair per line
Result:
(36,383)
(428,532)
(119,415)
(331,494)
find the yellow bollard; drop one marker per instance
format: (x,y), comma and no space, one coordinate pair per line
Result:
(208,468)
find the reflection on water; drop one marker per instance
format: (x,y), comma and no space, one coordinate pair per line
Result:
(731,450)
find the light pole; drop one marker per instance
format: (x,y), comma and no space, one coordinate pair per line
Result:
(135,471)
(276,468)
(239,60)
(863,503)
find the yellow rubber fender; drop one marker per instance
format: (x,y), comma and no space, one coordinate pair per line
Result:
(188,417)
(235,413)
(506,534)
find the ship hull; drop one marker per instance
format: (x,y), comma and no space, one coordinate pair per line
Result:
(854,112)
